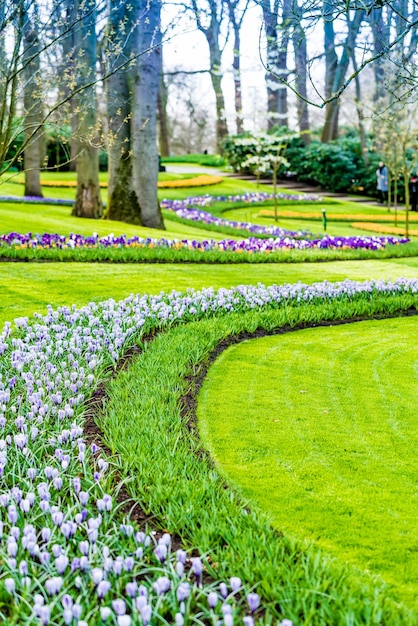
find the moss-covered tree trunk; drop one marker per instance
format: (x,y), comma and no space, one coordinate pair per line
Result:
(122,201)
(88,202)
(146,79)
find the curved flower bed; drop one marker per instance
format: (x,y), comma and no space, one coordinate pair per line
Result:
(385,228)
(252,245)
(36,200)
(202,180)
(67,557)
(246,198)
(203,217)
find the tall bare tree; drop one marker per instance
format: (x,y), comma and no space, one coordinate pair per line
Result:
(236,12)
(209,16)
(338,66)
(277,17)
(301,69)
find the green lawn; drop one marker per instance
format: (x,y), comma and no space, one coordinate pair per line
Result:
(44,218)
(319,428)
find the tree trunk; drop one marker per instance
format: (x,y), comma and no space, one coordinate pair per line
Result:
(221,125)
(9,85)
(88,202)
(146,81)
(236,68)
(300,55)
(33,113)
(68,74)
(330,129)
(277,108)
(360,114)
(164,140)
(122,201)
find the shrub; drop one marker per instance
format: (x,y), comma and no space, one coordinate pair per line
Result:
(333,165)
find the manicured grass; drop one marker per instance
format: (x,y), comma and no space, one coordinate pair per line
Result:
(319,429)
(212,160)
(25,218)
(188,496)
(29,287)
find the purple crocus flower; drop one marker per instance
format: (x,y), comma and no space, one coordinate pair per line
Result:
(161,552)
(253,600)
(161,585)
(213,599)
(103,588)
(183,591)
(146,613)
(119,607)
(235,583)
(10,585)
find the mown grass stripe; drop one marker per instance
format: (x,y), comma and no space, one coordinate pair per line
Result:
(144,423)
(321,434)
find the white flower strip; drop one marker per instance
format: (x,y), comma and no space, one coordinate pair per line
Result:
(63,551)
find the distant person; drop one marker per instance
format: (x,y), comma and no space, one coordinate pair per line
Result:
(413,191)
(382,176)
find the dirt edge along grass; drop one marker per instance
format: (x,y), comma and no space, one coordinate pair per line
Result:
(188,497)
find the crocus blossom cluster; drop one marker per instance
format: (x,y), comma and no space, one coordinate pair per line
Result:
(244,198)
(250,245)
(68,558)
(190,209)
(204,217)
(36,200)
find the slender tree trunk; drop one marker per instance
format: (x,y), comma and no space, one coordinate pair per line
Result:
(146,82)
(277,36)
(73,140)
(237,11)
(300,55)
(68,76)
(380,39)
(221,125)
(360,114)
(164,140)
(33,113)
(9,86)
(216,79)
(330,129)
(236,68)
(214,9)
(88,202)
(122,201)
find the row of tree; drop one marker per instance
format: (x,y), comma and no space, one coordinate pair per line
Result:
(96,65)
(49,64)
